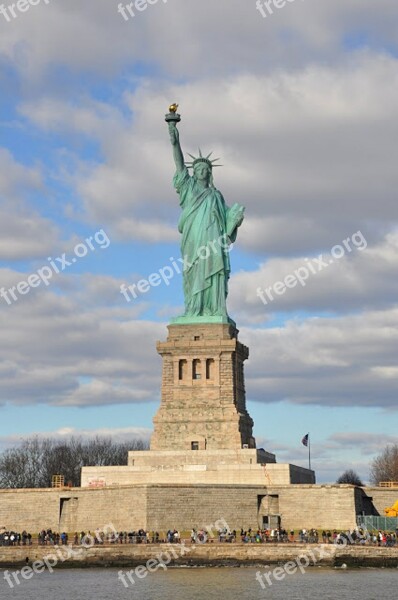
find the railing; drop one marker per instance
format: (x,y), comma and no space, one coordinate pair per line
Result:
(58,481)
(372,523)
(388,484)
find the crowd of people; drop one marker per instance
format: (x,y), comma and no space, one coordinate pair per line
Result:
(361,537)
(13,538)
(49,537)
(278,535)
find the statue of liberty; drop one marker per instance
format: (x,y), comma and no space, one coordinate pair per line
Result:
(208,227)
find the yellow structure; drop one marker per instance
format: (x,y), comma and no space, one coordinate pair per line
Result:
(392,511)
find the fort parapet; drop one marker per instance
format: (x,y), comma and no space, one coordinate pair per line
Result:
(183,506)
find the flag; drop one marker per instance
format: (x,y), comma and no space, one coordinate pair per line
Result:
(304,441)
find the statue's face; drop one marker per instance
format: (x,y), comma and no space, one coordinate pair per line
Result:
(202,173)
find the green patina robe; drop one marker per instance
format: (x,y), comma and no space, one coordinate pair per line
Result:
(207,226)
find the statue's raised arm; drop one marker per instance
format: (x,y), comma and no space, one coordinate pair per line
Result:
(172,119)
(177,151)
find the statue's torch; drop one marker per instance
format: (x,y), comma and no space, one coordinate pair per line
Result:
(173,116)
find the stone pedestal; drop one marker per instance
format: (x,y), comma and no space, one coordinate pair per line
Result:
(203,434)
(203,405)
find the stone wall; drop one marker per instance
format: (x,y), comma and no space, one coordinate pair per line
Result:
(73,509)
(239,466)
(29,509)
(319,506)
(130,556)
(161,506)
(213,474)
(198,506)
(173,458)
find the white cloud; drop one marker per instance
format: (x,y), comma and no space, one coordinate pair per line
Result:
(333,455)
(312,157)
(16,178)
(363,278)
(368,443)
(24,234)
(98,393)
(188,39)
(325,361)
(94,351)
(84,354)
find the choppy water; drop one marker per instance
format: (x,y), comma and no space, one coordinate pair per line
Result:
(206,584)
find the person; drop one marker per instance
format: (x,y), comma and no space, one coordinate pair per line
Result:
(208,226)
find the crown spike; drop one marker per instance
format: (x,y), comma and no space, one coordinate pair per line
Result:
(201,159)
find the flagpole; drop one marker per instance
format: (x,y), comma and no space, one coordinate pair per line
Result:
(309,452)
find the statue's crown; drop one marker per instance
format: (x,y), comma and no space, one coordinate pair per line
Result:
(202,159)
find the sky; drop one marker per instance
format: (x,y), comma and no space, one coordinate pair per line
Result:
(299,99)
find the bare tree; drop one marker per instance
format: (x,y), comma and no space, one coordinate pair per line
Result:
(385,466)
(23,466)
(350,476)
(33,463)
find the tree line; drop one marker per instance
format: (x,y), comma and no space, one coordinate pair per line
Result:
(32,463)
(382,468)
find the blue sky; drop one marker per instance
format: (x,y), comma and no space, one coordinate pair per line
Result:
(301,107)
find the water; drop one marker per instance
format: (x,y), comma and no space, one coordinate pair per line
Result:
(206,584)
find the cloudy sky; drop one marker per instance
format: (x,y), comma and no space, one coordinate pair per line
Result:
(301,105)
